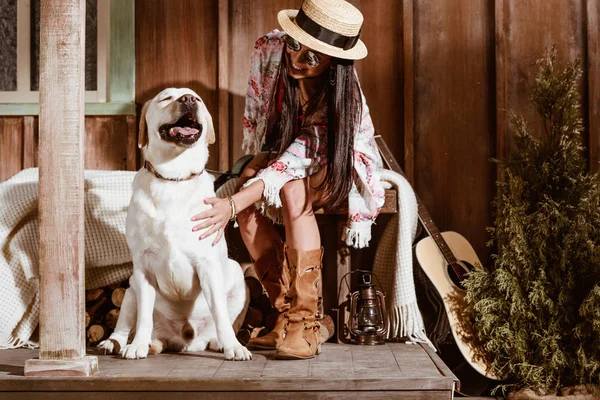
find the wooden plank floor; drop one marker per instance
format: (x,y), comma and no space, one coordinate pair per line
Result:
(341,371)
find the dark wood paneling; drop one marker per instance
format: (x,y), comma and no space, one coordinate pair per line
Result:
(454,120)
(133,158)
(110,143)
(18,145)
(501,83)
(11,146)
(30,141)
(526,29)
(408,63)
(223,122)
(593,82)
(107,143)
(176,46)
(381,72)
(247,23)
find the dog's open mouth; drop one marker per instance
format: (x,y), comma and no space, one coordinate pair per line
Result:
(186,131)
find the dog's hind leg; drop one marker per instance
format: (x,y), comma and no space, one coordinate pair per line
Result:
(238,297)
(156,347)
(125,324)
(214,292)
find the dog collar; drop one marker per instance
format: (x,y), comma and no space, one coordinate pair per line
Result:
(150,168)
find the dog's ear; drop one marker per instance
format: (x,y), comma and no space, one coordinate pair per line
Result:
(210,129)
(143,129)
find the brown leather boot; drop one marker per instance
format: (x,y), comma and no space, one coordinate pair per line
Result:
(302,337)
(272,270)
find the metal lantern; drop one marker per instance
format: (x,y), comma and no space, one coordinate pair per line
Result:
(367,319)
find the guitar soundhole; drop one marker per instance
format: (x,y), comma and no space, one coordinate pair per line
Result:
(463,266)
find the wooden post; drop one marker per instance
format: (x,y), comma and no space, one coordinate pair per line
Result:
(61,213)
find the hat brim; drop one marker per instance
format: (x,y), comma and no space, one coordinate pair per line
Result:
(286,20)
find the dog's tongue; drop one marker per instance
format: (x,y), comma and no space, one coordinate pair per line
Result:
(183,131)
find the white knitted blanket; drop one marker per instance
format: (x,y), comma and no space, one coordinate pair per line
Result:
(393,264)
(107,257)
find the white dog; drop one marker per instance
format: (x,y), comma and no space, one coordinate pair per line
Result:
(184,293)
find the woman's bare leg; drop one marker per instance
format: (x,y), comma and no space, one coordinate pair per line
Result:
(298,198)
(258,233)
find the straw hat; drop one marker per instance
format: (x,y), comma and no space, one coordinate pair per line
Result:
(330,27)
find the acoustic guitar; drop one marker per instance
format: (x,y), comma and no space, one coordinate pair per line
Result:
(446,258)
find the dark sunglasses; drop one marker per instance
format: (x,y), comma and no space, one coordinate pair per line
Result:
(310,57)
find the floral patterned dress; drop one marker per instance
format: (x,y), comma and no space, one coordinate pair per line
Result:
(308,153)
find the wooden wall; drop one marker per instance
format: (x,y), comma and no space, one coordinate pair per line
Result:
(438,79)
(450,125)
(111,143)
(176,46)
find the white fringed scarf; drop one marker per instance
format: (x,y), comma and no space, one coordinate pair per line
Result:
(393,264)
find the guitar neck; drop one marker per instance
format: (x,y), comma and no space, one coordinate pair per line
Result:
(426,220)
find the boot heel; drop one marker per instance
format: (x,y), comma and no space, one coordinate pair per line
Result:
(319,349)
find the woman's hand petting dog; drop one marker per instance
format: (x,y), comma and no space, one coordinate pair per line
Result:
(216,218)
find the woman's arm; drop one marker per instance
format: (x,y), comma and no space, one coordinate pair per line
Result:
(248,196)
(306,155)
(221,211)
(217,218)
(366,195)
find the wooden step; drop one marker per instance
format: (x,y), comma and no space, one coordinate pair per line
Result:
(341,371)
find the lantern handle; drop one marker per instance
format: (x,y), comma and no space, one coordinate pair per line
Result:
(365,280)
(348,284)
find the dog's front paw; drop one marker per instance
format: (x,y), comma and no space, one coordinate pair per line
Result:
(113,344)
(135,350)
(238,353)
(107,346)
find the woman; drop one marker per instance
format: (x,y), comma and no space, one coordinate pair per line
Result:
(306,112)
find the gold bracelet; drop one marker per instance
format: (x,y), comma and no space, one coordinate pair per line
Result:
(233,209)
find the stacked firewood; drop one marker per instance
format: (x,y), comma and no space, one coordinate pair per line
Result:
(102,308)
